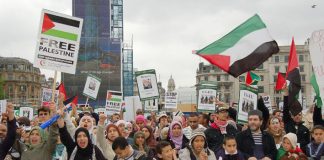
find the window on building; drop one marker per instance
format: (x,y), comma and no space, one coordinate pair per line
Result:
(275,78)
(286,59)
(303,78)
(11,89)
(242,78)
(262,77)
(277,68)
(23,88)
(301,68)
(261,89)
(10,76)
(301,58)
(9,67)
(206,78)
(218,78)
(226,77)
(227,97)
(302,89)
(260,67)
(277,59)
(227,87)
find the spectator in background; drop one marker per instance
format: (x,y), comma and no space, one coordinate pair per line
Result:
(204,120)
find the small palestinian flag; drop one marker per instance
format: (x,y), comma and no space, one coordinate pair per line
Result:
(243,49)
(318,98)
(281,82)
(60,27)
(293,76)
(61,90)
(252,78)
(73,100)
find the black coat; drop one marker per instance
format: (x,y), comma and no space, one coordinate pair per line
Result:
(245,144)
(215,138)
(317,116)
(9,140)
(302,132)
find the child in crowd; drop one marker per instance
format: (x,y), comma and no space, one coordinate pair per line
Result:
(229,150)
(289,149)
(315,149)
(165,151)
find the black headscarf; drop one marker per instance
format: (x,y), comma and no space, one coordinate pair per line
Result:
(86,152)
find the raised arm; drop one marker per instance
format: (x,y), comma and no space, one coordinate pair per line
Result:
(317,116)
(65,136)
(265,113)
(11,133)
(52,138)
(101,140)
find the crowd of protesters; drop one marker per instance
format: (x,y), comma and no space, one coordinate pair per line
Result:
(197,136)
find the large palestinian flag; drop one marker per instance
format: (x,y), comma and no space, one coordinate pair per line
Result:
(60,27)
(243,49)
(293,76)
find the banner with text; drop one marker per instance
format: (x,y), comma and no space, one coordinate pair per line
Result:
(113,102)
(248,101)
(58,42)
(171,100)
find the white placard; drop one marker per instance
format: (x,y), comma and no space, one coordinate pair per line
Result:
(26,112)
(3,106)
(47,96)
(100,111)
(267,103)
(151,105)
(58,42)
(206,100)
(171,100)
(147,84)
(132,103)
(114,102)
(248,101)
(91,86)
(316,49)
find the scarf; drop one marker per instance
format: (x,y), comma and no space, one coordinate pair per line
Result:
(221,125)
(83,152)
(176,140)
(75,150)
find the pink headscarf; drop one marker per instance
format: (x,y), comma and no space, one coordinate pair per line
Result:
(140,118)
(176,140)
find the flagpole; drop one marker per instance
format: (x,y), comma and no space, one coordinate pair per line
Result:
(87,101)
(53,86)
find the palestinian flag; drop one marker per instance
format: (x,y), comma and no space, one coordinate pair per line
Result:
(318,98)
(61,89)
(293,76)
(243,49)
(281,81)
(60,27)
(73,100)
(252,78)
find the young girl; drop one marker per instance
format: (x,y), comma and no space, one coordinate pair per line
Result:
(289,149)
(140,144)
(229,150)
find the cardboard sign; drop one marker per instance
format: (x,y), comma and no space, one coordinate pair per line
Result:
(58,42)
(206,100)
(267,103)
(26,112)
(248,101)
(114,102)
(151,105)
(91,87)
(47,96)
(147,85)
(171,100)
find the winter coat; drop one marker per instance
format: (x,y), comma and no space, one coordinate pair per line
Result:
(9,140)
(315,151)
(245,144)
(215,138)
(104,144)
(302,132)
(44,150)
(187,153)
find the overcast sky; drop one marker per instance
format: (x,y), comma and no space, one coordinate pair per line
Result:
(166,31)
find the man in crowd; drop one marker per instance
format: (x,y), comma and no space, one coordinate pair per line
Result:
(43,114)
(193,125)
(255,143)
(219,128)
(204,120)
(124,151)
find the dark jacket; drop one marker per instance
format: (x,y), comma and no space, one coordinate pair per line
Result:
(315,151)
(302,132)
(221,154)
(317,116)
(265,113)
(9,140)
(215,138)
(245,144)
(137,155)
(71,145)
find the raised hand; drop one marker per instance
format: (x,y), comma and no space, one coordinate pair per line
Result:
(102,119)
(10,111)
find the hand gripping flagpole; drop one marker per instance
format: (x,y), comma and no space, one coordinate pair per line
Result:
(55,118)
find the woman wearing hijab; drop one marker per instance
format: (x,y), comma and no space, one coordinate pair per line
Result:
(149,136)
(176,138)
(140,144)
(105,141)
(38,146)
(81,148)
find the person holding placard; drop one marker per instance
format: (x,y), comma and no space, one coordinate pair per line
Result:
(7,142)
